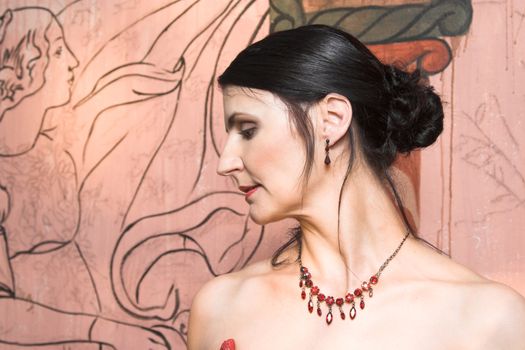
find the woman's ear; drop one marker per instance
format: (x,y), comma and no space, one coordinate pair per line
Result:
(335,117)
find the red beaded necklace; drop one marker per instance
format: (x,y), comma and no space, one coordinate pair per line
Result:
(305,281)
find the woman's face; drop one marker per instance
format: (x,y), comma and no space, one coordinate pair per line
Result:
(262,150)
(59,72)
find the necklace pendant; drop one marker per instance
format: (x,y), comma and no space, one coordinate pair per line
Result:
(343,315)
(352,311)
(305,281)
(329,317)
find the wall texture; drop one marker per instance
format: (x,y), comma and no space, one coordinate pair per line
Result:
(111,127)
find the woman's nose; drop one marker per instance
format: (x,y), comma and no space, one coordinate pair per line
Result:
(73,61)
(229,164)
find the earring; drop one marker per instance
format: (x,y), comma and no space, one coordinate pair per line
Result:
(327,149)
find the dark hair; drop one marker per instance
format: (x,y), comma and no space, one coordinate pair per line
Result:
(393,111)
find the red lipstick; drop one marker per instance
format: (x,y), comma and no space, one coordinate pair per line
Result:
(248,190)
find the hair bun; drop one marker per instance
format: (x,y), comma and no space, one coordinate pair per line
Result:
(415,112)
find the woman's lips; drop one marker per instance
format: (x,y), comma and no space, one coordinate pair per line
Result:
(248,190)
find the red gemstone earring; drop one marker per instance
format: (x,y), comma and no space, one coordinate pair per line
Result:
(327,150)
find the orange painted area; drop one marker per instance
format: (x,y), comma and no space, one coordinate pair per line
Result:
(432,56)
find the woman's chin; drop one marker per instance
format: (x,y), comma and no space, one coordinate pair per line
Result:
(258,220)
(262,219)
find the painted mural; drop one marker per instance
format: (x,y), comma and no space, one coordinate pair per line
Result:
(111,212)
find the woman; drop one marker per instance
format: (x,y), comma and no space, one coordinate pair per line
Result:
(314,122)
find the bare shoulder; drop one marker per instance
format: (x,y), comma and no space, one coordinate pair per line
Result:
(490,314)
(206,309)
(499,313)
(213,306)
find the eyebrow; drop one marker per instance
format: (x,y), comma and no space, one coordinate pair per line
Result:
(232,119)
(57,39)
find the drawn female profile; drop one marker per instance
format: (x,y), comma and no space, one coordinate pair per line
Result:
(36,74)
(54,224)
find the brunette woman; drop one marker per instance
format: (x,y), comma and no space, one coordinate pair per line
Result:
(314,123)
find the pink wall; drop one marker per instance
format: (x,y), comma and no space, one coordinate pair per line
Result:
(473,180)
(109,199)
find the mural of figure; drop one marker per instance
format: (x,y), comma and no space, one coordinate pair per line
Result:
(36,73)
(53,262)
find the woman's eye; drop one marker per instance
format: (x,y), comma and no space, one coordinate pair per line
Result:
(58,51)
(247,133)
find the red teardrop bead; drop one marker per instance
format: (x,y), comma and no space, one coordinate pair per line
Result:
(319,312)
(301,283)
(303,294)
(374,279)
(343,315)
(362,304)
(352,312)
(329,317)
(310,306)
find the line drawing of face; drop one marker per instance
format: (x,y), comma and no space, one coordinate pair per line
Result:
(36,74)
(59,75)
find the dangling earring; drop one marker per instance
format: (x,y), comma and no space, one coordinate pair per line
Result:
(327,149)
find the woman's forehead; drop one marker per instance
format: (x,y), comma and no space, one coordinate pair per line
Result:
(242,97)
(54,31)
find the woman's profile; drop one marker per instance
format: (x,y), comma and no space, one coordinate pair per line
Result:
(314,123)
(36,74)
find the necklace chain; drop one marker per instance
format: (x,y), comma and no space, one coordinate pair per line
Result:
(387,261)
(305,281)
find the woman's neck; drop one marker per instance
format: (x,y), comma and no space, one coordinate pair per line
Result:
(20,126)
(370,229)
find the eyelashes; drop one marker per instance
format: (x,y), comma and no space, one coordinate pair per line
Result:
(58,52)
(247,133)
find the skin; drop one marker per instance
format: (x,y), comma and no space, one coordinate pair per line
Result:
(423,299)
